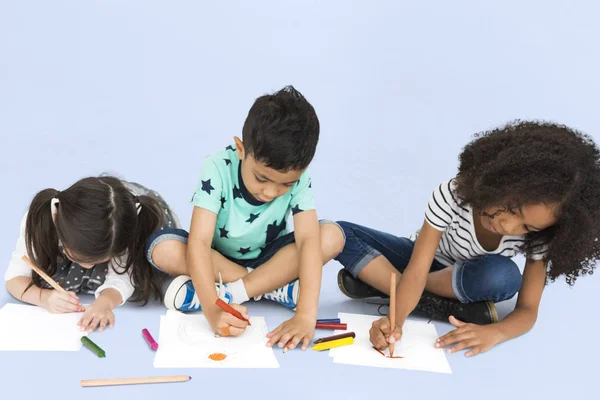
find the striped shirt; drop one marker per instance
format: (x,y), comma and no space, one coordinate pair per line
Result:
(459,241)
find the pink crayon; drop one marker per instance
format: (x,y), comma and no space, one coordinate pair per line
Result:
(150,339)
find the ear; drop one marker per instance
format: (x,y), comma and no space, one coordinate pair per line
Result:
(239,147)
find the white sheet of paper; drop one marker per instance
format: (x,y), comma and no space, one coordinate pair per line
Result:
(187,341)
(31,328)
(416,347)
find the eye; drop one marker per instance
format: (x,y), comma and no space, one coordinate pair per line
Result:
(260,180)
(527,229)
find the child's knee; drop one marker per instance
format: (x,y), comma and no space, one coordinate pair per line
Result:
(169,256)
(332,239)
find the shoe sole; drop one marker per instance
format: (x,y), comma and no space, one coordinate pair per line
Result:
(173,290)
(343,289)
(493,312)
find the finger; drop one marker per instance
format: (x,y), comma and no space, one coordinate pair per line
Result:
(74,296)
(275,335)
(66,302)
(285,338)
(85,321)
(93,324)
(305,342)
(463,345)
(474,351)
(452,333)
(111,321)
(377,339)
(459,337)
(103,323)
(242,310)
(456,322)
(384,326)
(294,341)
(395,335)
(236,322)
(234,331)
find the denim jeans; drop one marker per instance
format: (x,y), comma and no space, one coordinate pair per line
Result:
(491,277)
(182,236)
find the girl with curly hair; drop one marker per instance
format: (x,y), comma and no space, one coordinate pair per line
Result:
(530,188)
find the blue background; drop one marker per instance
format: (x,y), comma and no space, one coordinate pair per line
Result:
(146,89)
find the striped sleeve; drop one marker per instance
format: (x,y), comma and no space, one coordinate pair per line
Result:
(439,210)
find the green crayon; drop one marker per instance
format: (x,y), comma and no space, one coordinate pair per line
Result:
(93,347)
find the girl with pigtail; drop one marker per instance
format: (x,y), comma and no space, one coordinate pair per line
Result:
(90,238)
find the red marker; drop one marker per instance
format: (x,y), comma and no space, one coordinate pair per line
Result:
(150,339)
(227,308)
(329,325)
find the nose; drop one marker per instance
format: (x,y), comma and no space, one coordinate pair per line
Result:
(270,191)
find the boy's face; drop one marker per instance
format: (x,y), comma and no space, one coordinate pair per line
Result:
(264,183)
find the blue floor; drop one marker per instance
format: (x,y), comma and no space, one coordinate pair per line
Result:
(146,89)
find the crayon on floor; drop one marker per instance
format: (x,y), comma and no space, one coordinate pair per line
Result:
(93,347)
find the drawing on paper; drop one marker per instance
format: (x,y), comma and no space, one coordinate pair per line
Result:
(385,355)
(187,341)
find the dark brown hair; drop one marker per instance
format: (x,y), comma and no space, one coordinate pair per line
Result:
(96,219)
(531,162)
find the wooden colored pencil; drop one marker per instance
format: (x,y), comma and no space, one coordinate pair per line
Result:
(335,337)
(46,277)
(134,381)
(392,312)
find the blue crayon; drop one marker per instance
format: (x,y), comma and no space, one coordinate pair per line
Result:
(329,321)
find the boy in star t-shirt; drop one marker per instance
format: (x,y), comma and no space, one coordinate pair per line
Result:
(239,235)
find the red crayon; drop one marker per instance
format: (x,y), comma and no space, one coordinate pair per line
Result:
(150,339)
(227,308)
(328,325)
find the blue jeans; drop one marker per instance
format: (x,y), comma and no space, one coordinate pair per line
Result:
(182,236)
(490,277)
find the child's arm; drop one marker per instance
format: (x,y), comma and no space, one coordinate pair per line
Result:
(200,265)
(18,278)
(519,321)
(50,299)
(301,327)
(410,286)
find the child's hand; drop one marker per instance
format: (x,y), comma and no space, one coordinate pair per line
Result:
(58,302)
(479,337)
(225,324)
(381,334)
(98,314)
(298,329)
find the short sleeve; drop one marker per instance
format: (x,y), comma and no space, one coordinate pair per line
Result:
(302,195)
(210,187)
(440,207)
(539,252)
(16,266)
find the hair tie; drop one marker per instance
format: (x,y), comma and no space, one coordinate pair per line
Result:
(54,206)
(138,205)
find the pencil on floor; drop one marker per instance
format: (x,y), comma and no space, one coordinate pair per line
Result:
(134,381)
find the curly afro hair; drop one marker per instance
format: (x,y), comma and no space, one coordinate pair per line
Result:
(530,162)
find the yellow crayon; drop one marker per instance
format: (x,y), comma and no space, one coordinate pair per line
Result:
(333,343)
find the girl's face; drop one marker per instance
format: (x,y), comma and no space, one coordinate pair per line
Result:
(525,219)
(86,265)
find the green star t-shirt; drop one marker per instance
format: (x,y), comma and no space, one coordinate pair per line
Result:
(245,225)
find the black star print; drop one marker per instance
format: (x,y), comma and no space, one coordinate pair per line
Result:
(223,200)
(252,217)
(230,147)
(227,161)
(244,250)
(237,193)
(296,209)
(273,230)
(207,187)
(224,232)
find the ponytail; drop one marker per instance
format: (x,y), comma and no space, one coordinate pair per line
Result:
(41,238)
(146,279)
